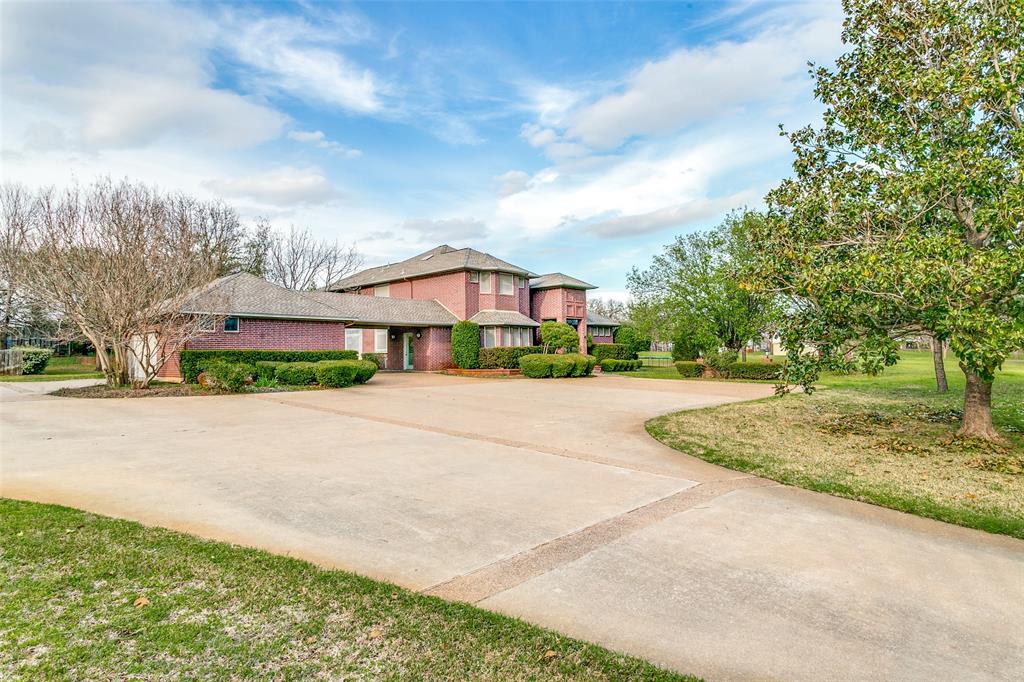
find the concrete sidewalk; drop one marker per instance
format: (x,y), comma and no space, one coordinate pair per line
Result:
(546,500)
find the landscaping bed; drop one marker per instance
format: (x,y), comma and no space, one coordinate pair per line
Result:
(163,390)
(889,440)
(90,597)
(460,372)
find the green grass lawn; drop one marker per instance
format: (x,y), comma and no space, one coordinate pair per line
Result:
(888,439)
(58,368)
(90,597)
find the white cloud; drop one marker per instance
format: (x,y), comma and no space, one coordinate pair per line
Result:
(286,185)
(319,140)
(127,76)
(670,216)
(512,182)
(450,229)
(291,55)
(691,85)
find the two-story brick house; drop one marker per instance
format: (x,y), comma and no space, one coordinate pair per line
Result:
(404,310)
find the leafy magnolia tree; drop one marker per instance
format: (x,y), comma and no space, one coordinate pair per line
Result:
(115,259)
(905,213)
(559,336)
(696,287)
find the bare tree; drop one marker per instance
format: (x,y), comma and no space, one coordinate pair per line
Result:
(297,260)
(17,211)
(117,259)
(617,310)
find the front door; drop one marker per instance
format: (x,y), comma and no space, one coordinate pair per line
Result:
(407,353)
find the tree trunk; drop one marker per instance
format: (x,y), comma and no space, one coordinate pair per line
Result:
(977,419)
(940,366)
(743,353)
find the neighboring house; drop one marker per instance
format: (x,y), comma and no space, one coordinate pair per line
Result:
(405,310)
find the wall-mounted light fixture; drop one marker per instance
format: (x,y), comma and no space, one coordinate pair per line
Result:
(419,335)
(393,337)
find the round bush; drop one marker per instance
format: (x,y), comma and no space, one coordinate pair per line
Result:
(231,376)
(562,365)
(337,373)
(535,366)
(34,360)
(690,369)
(298,373)
(365,369)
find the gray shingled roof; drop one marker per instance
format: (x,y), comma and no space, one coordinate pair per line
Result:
(507,318)
(381,310)
(246,295)
(601,321)
(440,259)
(555,280)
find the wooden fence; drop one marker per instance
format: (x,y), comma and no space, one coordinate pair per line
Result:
(10,361)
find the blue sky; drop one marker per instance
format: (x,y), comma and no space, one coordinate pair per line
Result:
(568,136)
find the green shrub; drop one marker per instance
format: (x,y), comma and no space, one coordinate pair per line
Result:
(298,373)
(536,366)
(614,351)
(687,346)
(555,335)
(267,369)
(505,357)
(191,359)
(34,360)
(544,365)
(562,365)
(365,369)
(720,362)
(580,364)
(633,339)
(616,365)
(378,359)
(338,373)
(690,369)
(466,344)
(754,370)
(231,376)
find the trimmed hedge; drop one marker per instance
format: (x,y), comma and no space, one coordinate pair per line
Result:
(365,369)
(338,373)
(267,369)
(297,373)
(34,360)
(754,370)
(614,365)
(690,369)
(191,359)
(466,344)
(505,357)
(613,351)
(231,376)
(544,365)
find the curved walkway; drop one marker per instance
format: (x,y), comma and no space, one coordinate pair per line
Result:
(546,500)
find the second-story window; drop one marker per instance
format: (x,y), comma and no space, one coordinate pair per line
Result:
(382,290)
(506,285)
(485,282)
(474,276)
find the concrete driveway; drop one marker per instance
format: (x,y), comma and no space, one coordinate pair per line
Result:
(548,501)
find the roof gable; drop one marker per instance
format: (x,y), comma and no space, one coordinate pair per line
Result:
(437,260)
(558,280)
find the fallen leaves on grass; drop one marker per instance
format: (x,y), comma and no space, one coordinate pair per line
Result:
(140,602)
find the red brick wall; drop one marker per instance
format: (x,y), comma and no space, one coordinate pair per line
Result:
(431,352)
(261,334)
(449,289)
(603,339)
(559,304)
